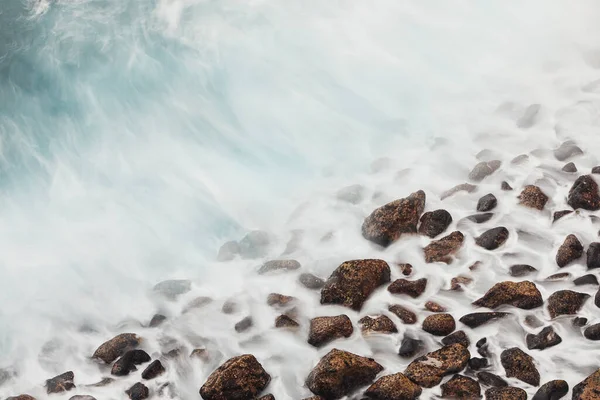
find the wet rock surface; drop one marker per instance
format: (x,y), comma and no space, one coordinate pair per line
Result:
(61,383)
(493,238)
(552,390)
(519,270)
(459,337)
(588,279)
(428,371)
(565,302)
(439,324)
(489,379)
(153,370)
(547,337)
(480,218)
(584,194)
(279,265)
(520,365)
(474,320)
(325,329)
(139,391)
(593,255)
(487,203)
(463,187)
(410,347)
(434,307)
(412,288)
(559,214)
(592,332)
(311,281)
(435,222)
(461,387)
(241,377)
(406,315)
(127,363)
(505,393)
(393,387)
(109,351)
(533,197)
(285,321)
(443,249)
(379,324)
(589,388)
(523,295)
(569,251)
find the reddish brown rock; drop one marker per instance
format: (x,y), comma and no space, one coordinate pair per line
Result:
(493,238)
(279,300)
(339,373)
(138,392)
(533,197)
(461,387)
(386,224)
(407,316)
(589,388)
(523,295)
(285,321)
(428,371)
(569,251)
(584,194)
(559,214)
(241,378)
(439,324)
(325,329)
(379,324)
(552,390)
(443,249)
(412,288)
(520,365)
(565,302)
(435,307)
(458,282)
(505,393)
(354,281)
(435,222)
(116,347)
(60,383)
(393,387)
(474,320)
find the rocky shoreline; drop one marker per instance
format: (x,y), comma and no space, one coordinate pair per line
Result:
(448,355)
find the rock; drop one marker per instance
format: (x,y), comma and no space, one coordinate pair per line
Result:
(442,250)
(520,365)
(434,307)
(109,351)
(138,392)
(244,325)
(388,223)
(412,288)
(241,378)
(339,373)
(21,397)
(597,299)
(380,324)
(565,302)
(493,238)
(279,300)
(569,167)
(353,194)
(593,256)
(435,222)
(521,270)
(393,387)
(569,251)
(128,361)
(483,169)
(202,354)
(562,276)
(157,320)
(559,214)
(489,379)
(311,281)
(477,363)
(459,337)
(505,393)
(529,117)
(505,186)
(463,187)
(584,194)
(546,338)
(596,170)
(552,390)
(567,150)
(173,288)
(588,279)
(428,371)
(474,320)
(60,383)
(267,397)
(579,322)
(228,251)
(461,387)
(458,282)
(589,388)
(533,197)
(153,370)
(409,347)
(487,203)
(279,265)
(439,324)
(325,329)
(480,218)
(354,281)
(196,303)
(520,159)
(524,295)
(405,268)
(407,316)
(254,245)
(82,397)
(284,321)
(230,306)
(103,382)
(592,332)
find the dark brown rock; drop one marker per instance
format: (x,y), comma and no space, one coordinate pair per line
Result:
(138,392)
(474,320)
(443,249)
(584,194)
(435,222)
(428,371)
(463,187)
(533,197)
(405,268)
(520,365)
(311,281)
(439,324)
(567,150)
(592,332)
(596,170)
(157,320)
(589,388)
(285,321)
(412,288)
(393,387)
(480,218)
(505,393)
(279,300)
(493,238)
(244,325)
(483,169)
(552,390)
(21,397)
(597,299)
(116,347)
(153,370)
(593,256)
(561,276)
(279,265)
(435,307)
(489,379)
(354,281)
(240,378)
(379,324)
(487,203)
(477,363)
(461,387)
(569,251)
(588,279)
(505,186)
(523,295)
(126,364)
(559,214)
(60,383)
(459,337)
(339,373)
(267,397)
(325,329)
(565,302)
(569,167)
(254,245)
(410,347)
(521,270)
(407,316)
(458,282)
(544,339)
(579,322)
(228,251)
(388,223)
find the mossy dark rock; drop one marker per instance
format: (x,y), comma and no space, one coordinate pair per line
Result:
(435,222)
(443,249)
(533,197)
(393,387)
(406,315)
(325,329)
(61,383)
(552,390)
(412,288)
(565,302)
(439,324)
(109,351)
(461,387)
(520,365)
(523,295)
(569,251)
(505,393)
(542,340)
(584,194)
(493,238)
(240,378)
(589,388)
(474,320)
(428,371)
(379,324)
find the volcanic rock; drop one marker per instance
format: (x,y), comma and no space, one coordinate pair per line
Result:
(461,387)
(569,251)
(380,324)
(493,238)
(584,194)
(443,249)
(60,383)
(439,324)
(533,197)
(544,339)
(520,365)
(523,295)
(393,387)
(325,329)
(565,302)
(428,371)
(435,222)
(407,316)
(241,378)
(412,288)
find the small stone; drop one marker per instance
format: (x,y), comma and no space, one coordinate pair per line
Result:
(480,218)
(21,397)
(459,337)
(593,255)
(463,187)
(533,197)
(406,269)
(439,324)
(407,316)
(592,332)
(562,276)
(457,283)
(505,393)
(196,303)
(493,238)
(443,250)
(546,338)
(489,379)
(483,169)
(579,322)
(559,214)
(565,302)
(379,324)
(244,325)
(325,329)
(279,265)
(241,377)
(353,194)
(520,159)
(505,186)
(311,281)
(228,251)
(284,321)
(279,300)
(569,167)
(393,387)
(474,320)
(487,203)
(389,222)
(434,307)
(589,388)
(428,371)
(126,364)
(521,270)
(81,397)
(60,383)
(524,295)
(588,279)
(254,245)
(409,347)
(412,288)
(339,373)
(461,387)
(173,288)
(157,320)
(435,222)
(267,397)
(596,170)
(584,194)
(567,150)
(354,281)
(153,370)
(230,307)
(569,251)
(116,347)
(138,392)
(520,365)
(477,363)
(552,390)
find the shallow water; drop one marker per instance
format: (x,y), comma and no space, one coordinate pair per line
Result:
(137,136)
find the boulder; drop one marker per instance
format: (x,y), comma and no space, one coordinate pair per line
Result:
(153,370)
(139,391)
(520,365)
(393,387)
(379,324)
(439,324)
(461,387)
(428,371)
(524,295)
(505,393)
(493,238)
(552,390)
(60,383)
(240,378)
(533,197)
(487,203)
(542,340)
(565,302)
(589,388)
(407,316)
(584,194)
(443,249)
(109,351)
(435,222)
(325,329)
(569,251)
(474,320)
(412,288)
